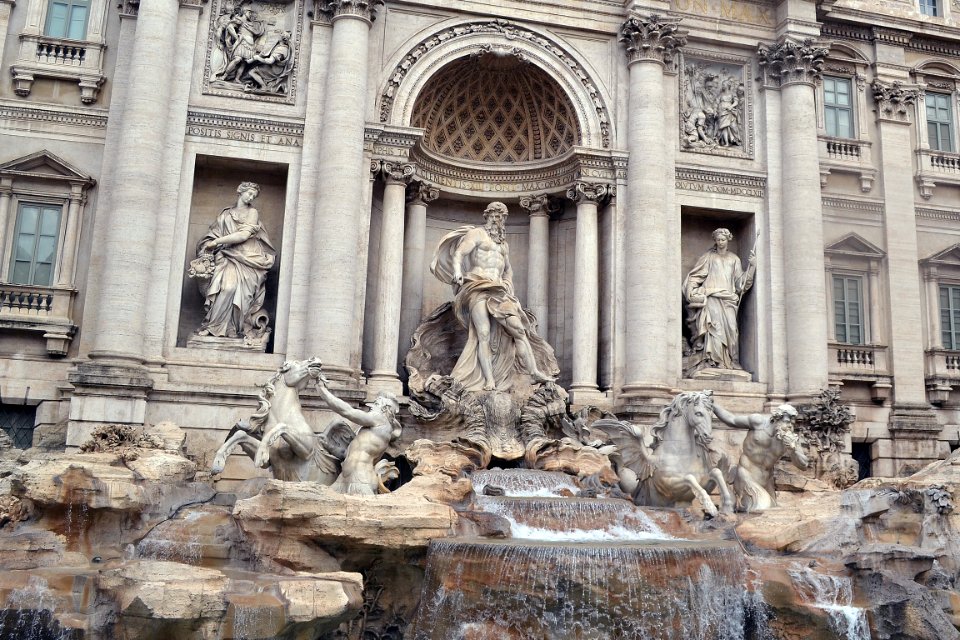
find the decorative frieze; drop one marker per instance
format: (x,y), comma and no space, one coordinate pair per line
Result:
(655,38)
(252,50)
(13,113)
(731,184)
(365,9)
(716,115)
(938,215)
(202,124)
(894,103)
(787,61)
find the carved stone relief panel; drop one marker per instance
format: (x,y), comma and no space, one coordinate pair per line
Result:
(716,110)
(252,51)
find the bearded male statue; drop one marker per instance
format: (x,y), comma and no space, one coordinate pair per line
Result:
(501,338)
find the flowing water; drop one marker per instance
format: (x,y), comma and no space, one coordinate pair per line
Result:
(833,594)
(578,569)
(28,614)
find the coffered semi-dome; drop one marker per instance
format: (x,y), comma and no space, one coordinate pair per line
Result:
(495,108)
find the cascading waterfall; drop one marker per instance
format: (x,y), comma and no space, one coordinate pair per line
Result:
(833,594)
(28,614)
(578,568)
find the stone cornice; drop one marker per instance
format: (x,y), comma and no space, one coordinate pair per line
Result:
(420,192)
(734,184)
(894,103)
(654,39)
(230,121)
(891,36)
(938,215)
(787,62)
(364,9)
(9,112)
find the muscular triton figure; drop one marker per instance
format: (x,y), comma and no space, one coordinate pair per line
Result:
(476,261)
(769,438)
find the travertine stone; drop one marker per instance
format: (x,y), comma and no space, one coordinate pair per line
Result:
(538,258)
(419,196)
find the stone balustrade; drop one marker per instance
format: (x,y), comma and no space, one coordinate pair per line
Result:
(43,309)
(935,168)
(862,363)
(847,155)
(43,56)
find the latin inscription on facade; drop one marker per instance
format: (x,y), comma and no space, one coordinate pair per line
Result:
(256,137)
(733,10)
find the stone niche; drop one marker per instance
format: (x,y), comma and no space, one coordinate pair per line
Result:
(214,189)
(697,226)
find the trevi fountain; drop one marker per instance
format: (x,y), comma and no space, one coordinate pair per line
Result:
(507,516)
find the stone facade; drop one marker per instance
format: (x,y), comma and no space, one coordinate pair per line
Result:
(620,135)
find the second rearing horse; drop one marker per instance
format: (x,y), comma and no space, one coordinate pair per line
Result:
(673,461)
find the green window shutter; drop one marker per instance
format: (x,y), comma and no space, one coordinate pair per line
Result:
(35,245)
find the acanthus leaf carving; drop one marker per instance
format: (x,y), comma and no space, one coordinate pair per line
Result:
(365,9)
(787,61)
(893,101)
(654,38)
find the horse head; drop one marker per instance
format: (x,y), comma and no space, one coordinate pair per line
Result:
(698,412)
(299,374)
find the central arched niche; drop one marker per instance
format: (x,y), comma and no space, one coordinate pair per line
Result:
(495,107)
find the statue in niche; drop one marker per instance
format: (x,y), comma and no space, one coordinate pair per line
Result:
(476,262)
(713,290)
(715,106)
(231,267)
(770,437)
(363,472)
(254,55)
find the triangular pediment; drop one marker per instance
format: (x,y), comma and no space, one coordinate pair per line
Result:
(44,164)
(950,255)
(855,245)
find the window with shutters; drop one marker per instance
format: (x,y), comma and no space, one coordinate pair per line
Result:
(838,107)
(848,309)
(939,121)
(67,19)
(950,316)
(35,239)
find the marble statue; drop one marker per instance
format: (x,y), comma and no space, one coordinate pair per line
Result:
(254,57)
(231,267)
(769,438)
(476,262)
(713,290)
(278,436)
(363,471)
(714,98)
(673,461)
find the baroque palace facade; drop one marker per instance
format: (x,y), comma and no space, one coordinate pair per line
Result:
(619,134)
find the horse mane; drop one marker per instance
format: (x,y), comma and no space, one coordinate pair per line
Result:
(265,399)
(677,408)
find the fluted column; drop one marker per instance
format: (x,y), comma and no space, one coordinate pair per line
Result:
(651,43)
(419,195)
(126,248)
(340,182)
(794,67)
(586,290)
(894,108)
(71,237)
(538,258)
(386,308)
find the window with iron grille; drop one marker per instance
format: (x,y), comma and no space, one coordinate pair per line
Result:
(67,19)
(939,121)
(838,107)
(17,421)
(35,244)
(848,309)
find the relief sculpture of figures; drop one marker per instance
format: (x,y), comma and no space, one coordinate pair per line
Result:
(476,262)
(363,472)
(713,291)
(231,267)
(255,56)
(768,440)
(712,115)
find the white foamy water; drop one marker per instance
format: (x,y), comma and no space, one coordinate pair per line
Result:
(833,594)
(525,483)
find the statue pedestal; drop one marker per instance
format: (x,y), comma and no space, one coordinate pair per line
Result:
(258,345)
(722,374)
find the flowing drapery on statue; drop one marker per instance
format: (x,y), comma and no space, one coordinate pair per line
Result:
(713,290)
(501,340)
(233,259)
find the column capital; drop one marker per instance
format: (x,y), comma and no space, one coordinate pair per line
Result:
(585,192)
(894,103)
(788,62)
(396,172)
(653,39)
(129,8)
(420,192)
(540,205)
(363,9)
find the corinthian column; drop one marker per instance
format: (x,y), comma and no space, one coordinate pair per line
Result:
(794,67)
(651,44)
(386,307)
(341,179)
(586,291)
(538,258)
(419,195)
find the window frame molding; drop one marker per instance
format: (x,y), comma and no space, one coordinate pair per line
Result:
(43,56)
(936,75)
